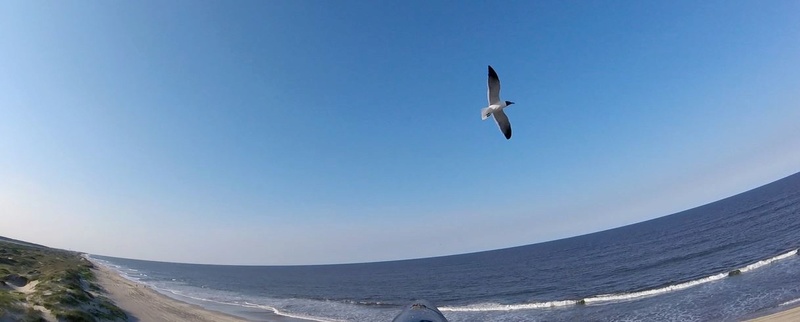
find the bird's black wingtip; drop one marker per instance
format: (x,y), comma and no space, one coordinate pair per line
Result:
(492,73)
(507,133)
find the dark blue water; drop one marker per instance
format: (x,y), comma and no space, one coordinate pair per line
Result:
(723,261)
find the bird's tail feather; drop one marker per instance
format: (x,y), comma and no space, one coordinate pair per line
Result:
(485,113)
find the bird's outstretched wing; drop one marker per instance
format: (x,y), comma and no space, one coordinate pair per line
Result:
(493,92)
(502,121)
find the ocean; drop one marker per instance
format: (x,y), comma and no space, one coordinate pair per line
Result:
(724,261)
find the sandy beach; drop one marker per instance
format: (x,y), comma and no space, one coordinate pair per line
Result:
(144,304)
(789,315)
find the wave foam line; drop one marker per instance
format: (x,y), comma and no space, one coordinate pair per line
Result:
(652,292)
(790,302)
(118,270)
(246,304)
(767,261)
(281,313)
(486,307)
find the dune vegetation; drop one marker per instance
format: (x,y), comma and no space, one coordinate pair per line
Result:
(38,283)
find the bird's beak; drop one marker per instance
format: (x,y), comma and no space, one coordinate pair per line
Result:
(509,103)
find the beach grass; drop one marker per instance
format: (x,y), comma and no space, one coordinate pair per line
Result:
(40,282)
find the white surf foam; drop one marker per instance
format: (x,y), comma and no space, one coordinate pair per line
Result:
(120,271)
(486,307)
(791,302)
(296,316)
(652,292)
(245,304)
(767,261)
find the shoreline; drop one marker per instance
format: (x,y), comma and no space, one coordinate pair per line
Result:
(142,303)
(789,314)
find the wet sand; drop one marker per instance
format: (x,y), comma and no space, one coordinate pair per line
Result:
(142,303)
(789,315)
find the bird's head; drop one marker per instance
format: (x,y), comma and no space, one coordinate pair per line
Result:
(509,103)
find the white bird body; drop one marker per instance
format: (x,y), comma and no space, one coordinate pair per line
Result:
(491,109)
(496,105)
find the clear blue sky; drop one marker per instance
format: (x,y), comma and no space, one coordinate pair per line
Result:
(299,132)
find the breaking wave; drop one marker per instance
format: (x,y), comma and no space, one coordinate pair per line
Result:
(486,307)
(792,302)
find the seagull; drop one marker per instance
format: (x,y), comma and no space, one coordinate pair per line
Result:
(496,106)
